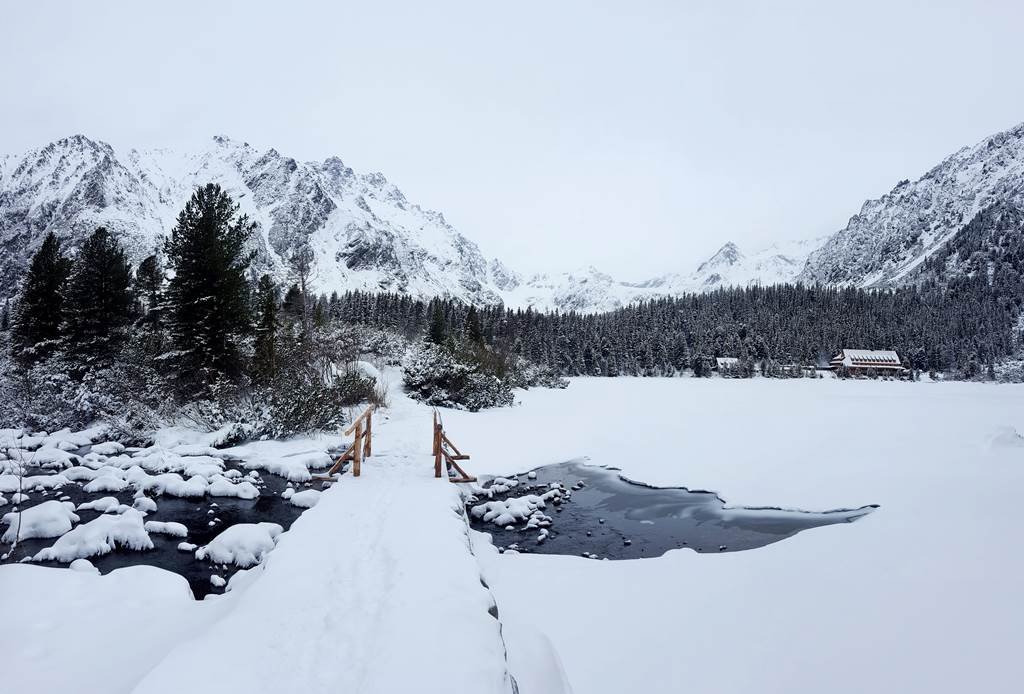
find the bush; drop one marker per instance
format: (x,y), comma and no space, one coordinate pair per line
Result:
(436,376)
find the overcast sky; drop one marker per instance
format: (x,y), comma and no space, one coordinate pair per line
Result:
(635,136)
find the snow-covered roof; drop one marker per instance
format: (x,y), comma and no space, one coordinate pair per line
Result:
(727,361)
(880,358)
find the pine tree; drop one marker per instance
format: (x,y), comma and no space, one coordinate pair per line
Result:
(294,304)
(149,284)
(264,363)
(5,316)
(98,301)
(438,329)
(36,326)
(473,331)
(149,280)
(207,297)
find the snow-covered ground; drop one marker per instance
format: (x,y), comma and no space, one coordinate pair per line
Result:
(375,588)
(922,595)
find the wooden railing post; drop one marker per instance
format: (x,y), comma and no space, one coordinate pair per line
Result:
(437,446)
(357,449)
(368,445)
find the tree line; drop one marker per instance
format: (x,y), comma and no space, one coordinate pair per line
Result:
(932,329)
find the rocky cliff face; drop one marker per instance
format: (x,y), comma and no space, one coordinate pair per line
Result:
(886,243)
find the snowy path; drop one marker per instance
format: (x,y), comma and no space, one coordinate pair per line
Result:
(373,590)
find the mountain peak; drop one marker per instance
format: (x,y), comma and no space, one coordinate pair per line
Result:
(726,256)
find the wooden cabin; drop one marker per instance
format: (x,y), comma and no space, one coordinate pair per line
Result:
(859,362)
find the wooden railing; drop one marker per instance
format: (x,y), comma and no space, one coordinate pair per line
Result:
(442,444)
(361,446)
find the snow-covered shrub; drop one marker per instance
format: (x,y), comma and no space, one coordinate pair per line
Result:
(436,375)
(1010,371)
(526,374)
(128,393)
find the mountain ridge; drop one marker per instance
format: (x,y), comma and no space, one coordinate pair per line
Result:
(366,235)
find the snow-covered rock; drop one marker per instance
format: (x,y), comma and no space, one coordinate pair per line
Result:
(99,536)
(83,565)
(48,519)
(305,499)
(166,528)
(106,504)
(224,487)
(105,483)
(243,544)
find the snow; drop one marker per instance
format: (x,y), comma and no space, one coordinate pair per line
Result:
(243,544)
(106,504)
(48,519)
(107,448)
(221,486)
(106,483)
(44,457)
(305,499)
(99,536)
(166,528)
(291,459)
(512,510)
(922,595)
(172,484)
(82,632)
(396,602)
(83,565)
(11,483)
(144,504)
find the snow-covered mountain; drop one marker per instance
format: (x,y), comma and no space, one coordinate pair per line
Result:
(366,235)
(589,289)
(363,231)
(888,240)
(730,267)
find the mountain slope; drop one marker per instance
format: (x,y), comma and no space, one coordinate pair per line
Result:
(887,242)
(364,233)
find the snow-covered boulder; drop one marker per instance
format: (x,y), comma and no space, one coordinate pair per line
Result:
(106,504)
(220,486)
(49,457)
(48,519)
(305,499)
(166,528)
(107,448)
(99,536)
(243,544)
(515,509)
(105,483)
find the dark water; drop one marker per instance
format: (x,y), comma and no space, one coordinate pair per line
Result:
(612,517)
(194,513)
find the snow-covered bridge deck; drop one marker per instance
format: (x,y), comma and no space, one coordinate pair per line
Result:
(373,590)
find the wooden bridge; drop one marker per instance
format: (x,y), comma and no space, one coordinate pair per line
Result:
(361,447)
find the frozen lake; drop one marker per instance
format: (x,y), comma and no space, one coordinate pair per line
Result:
(921,595)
